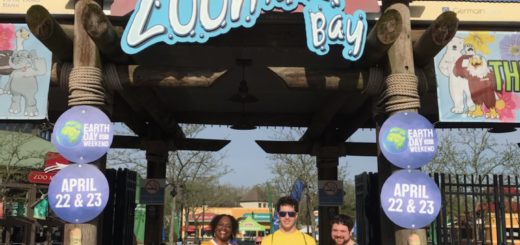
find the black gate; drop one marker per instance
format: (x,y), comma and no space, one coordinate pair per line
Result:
(475,210)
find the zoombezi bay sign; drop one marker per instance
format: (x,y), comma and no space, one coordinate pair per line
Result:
(176,21)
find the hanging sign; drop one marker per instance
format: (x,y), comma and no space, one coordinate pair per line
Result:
(152,191)
(78,193)
(408,140)
(83,134)
(478,78)
(176,21)
(410,199)
(330,192)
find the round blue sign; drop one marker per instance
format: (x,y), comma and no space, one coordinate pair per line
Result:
(78,193)
(410,199)
(408,140)
(83,134)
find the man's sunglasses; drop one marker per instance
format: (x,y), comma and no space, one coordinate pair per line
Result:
(283,213)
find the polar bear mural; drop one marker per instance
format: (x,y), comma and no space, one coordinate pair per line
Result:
(458,86)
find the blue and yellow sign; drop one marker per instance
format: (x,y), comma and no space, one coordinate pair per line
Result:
(408,140)
(83,134)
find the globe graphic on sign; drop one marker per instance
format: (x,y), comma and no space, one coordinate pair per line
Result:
(70,134)
(396,140)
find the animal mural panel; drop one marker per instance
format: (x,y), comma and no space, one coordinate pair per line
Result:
(478,78)
(25,68)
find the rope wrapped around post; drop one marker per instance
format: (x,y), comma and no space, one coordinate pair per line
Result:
(85,86)
(404,86)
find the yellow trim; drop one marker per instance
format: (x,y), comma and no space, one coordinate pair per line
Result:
(466,11)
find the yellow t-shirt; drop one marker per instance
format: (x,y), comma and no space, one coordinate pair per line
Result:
(281,238)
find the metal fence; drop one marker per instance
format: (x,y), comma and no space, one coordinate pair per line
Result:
(477,210)
(480,210)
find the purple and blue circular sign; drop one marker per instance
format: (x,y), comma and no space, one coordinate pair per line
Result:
(411,199)
(78,193)
(83,134)
(408,140)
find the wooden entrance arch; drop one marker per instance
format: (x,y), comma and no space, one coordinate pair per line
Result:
(157,89)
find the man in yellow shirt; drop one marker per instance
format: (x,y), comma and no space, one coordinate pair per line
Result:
(287,209)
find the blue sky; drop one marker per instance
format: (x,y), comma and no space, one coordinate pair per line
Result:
(251,165)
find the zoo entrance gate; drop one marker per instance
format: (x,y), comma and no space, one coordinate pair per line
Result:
(475,210)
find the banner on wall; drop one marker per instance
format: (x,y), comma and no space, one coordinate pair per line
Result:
(25,71)
(478,78)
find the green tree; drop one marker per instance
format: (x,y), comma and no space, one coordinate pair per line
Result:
(474,151)
(287,168)
(193,174)
(19,153)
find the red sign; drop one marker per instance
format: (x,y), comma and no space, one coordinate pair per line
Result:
(40,177)
(53,163)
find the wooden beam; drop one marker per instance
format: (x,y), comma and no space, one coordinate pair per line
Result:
(305,78)
(167,76)
(155,76)
(304,147)
(162,76)
(381,38)
(102,32)
(44,27)
(438,34)
(285,147)
(322,119)
(346,129)
(188,144)
(147,100)
(125,113)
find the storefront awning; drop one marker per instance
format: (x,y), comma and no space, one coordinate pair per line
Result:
(249,224)
(259,217)
(201,218)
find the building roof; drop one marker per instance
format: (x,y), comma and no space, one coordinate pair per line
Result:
(256,194)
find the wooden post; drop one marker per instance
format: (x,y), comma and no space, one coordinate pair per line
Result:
(438,34)
(327,170)
(44,27)
(85,53)
(103,33)
(400,61)
(381,37)
(157,157)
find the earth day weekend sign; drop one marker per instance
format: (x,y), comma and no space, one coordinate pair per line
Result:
(196,21)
